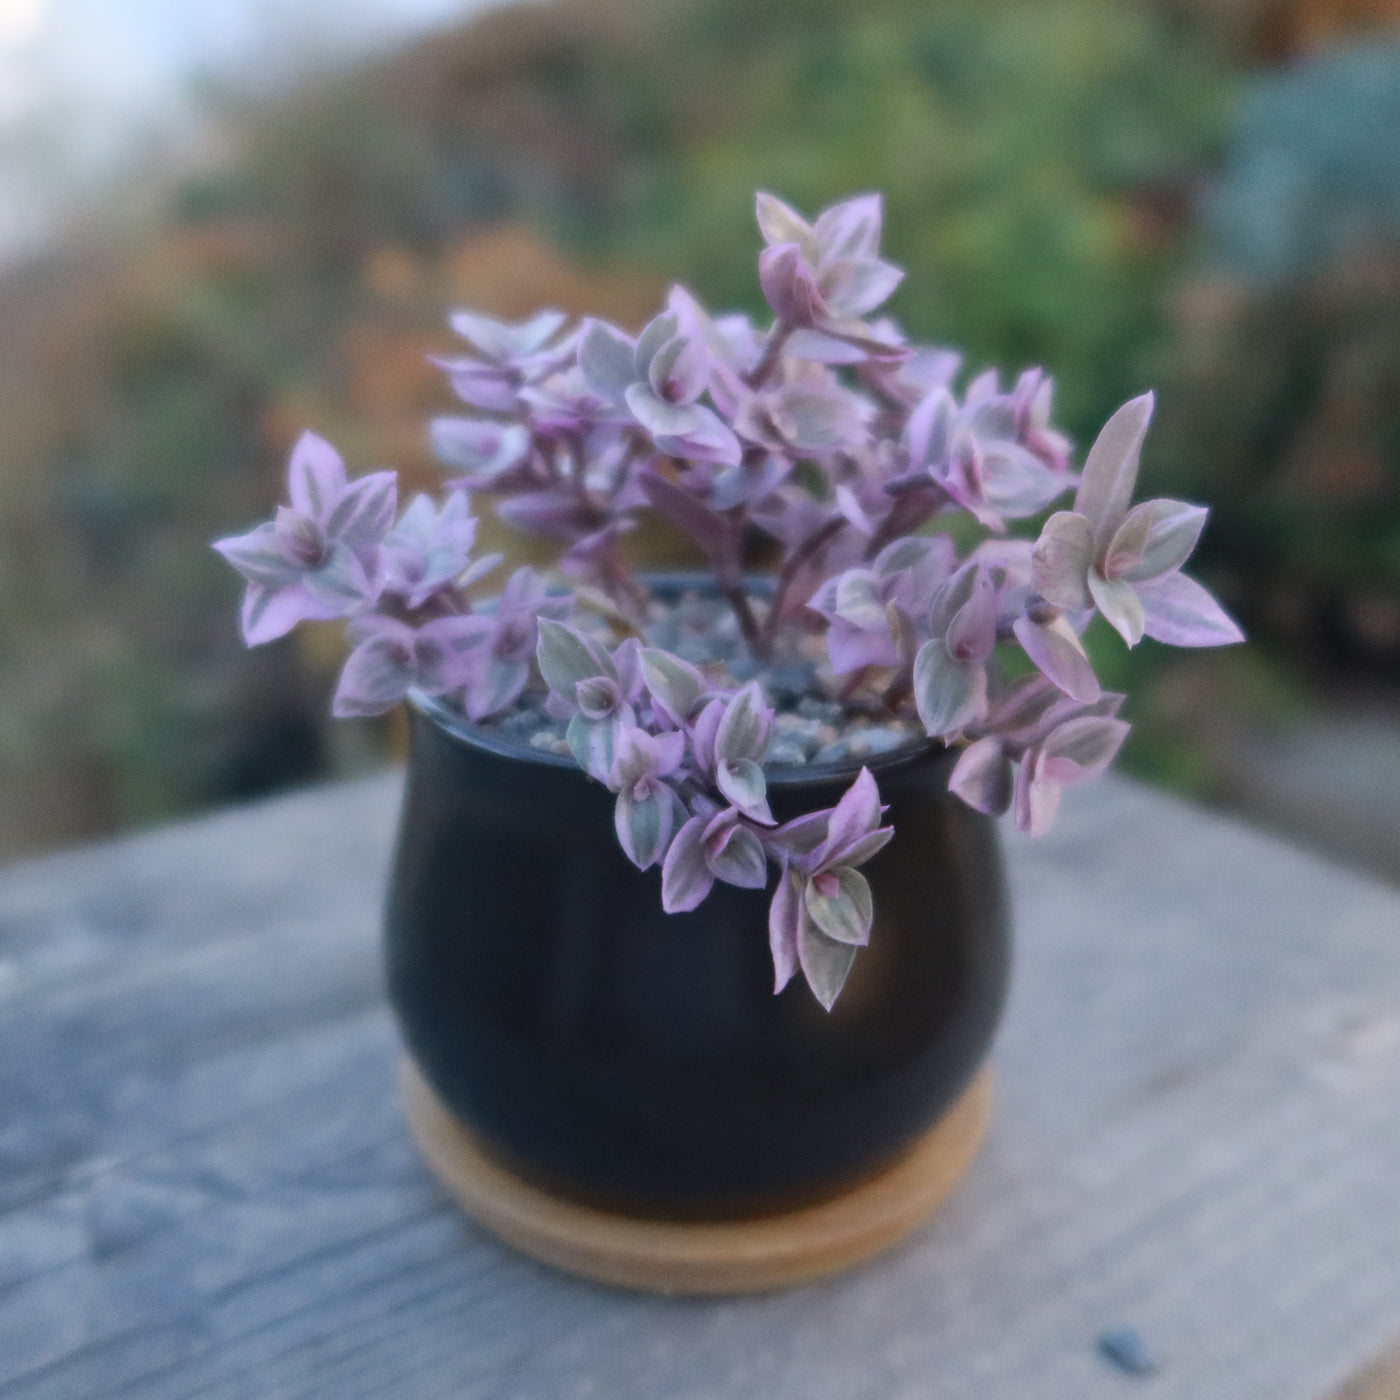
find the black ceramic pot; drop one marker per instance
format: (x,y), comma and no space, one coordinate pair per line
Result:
(622,1057)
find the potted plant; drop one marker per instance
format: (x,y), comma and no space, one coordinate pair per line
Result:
(650,826)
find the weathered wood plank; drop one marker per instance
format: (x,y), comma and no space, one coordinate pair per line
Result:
(206,1191)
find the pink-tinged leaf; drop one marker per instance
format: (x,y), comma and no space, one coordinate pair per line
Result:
(674,685)
(822,349)
(790,286)
(481,385)
(983,777)
(656,333)
(854,288)
(857,814)
(735,855)
(378,673)
(1062,558)
(1118,601)
(742,783)
(928,434)
(845,912)
(948,694)
(495,686)
(850,649)
(850,229)
(1059,656)
(685,874)
(856,600)
(269,613)
(784,922)
(707,440)
(863,848)
(1035,798)
(780,223)
(364,514)
(504,340)
(1016,482)
(478,447)
(1111,468)
(446,650)
(1021,705)
(315,477)
(680,370)
(825,963)
(643,825)
(340,584)
(261,557)
(972,632)
(593,743)
(1172,529)
(746,728)
(951,595)
(607,359)
(703,733)
(566,657)
(1178,611)
(801,839)
(1081,748)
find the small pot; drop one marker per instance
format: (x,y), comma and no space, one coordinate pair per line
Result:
(623,1058)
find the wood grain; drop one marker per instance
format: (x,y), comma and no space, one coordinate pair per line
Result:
(207,1191)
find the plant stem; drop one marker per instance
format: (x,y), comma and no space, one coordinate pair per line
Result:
(772,349)
(807,550)
(754,637)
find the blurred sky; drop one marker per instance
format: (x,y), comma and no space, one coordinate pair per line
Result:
(88,85)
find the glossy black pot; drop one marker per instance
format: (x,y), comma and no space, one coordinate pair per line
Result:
(623,1057)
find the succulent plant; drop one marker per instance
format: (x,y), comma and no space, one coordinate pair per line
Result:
(824,432)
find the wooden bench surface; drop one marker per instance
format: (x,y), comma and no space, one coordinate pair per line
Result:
(207,1191)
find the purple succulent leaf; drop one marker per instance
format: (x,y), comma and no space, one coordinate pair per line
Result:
(679,371)
(742,783)
(566,657)
(825,963)
(593,742)
(494,685)
(482,449)
(948,694)
(598,698)
(928,433)
(1081,748)
(340,584)
(1178,611)
(703,734)
(445,652)
(269,613)
(972,632)
(553,514)
(850,229)
(642,818)
(854,287)
(686,877)
(747,726)
(1019,707)
(1062,559)
(855,815)
(640,755)
(983,777)
(1120,605)
(1059,656)
(262,556)
(1035,798)
(1111,468)
(688,430)
(364,514)
(819,347)
(734,854)
(673,684)
(849,649)
(505,340)
(838,902)
(952,595)
(315,477)
(378,673)
(800,840)
(790,287)
(481,385)
(864,847)
(657,332)
(1015,482)
(779,223)
(1172,529)
(784,923)
(607,359)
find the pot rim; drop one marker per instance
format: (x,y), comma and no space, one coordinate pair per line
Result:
(781,778)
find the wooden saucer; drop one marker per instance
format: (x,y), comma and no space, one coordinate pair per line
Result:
(682,1257)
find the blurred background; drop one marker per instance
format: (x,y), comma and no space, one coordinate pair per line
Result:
(220,223)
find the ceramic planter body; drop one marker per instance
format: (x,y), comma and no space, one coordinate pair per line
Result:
(620,1056)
